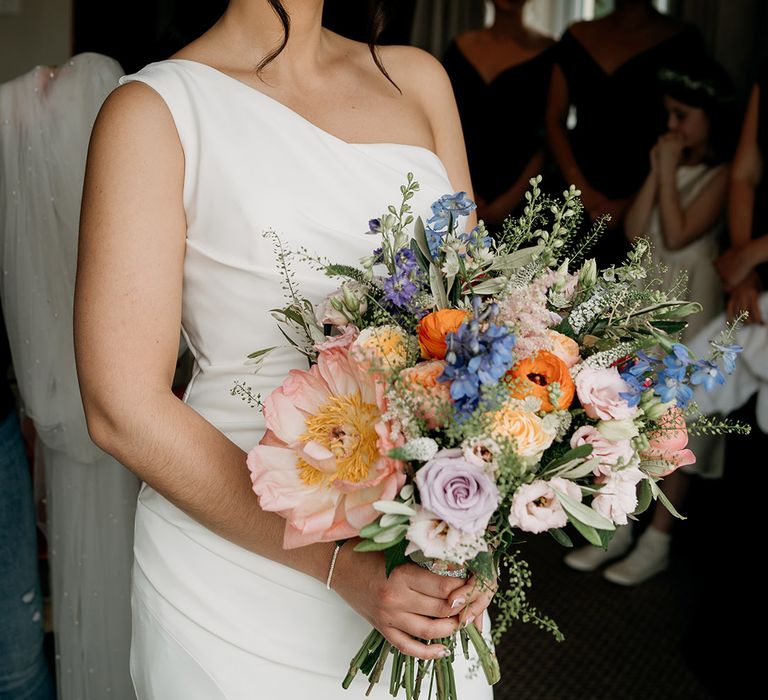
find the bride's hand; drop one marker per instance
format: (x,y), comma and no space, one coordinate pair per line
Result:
(411,604)
(472,599)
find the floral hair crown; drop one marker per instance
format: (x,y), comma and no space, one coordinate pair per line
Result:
(705,86)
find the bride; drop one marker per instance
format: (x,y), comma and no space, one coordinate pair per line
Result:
(266,122)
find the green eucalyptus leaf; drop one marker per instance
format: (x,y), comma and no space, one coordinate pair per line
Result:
(437,287)
(580,452)
(561,537)
(585,514)
(644,496)
(483,566)
(420,237)
(395,556)
(371,546)
(259,353)
(589,533)
(495,285)
(658,493)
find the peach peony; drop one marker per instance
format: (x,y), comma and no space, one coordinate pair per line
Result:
(532,376)
(431,398)
(321,467)
(433,328)
(667,443)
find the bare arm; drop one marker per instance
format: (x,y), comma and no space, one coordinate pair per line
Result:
(746,172)
(127,317)
(736,270)
(438,102)
(681,226)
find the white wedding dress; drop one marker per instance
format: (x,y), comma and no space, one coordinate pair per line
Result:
(212,620)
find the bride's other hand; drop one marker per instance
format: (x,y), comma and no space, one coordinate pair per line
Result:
(411,604)
(472,599)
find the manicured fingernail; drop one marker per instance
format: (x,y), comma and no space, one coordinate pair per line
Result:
(458,603)
(468,621)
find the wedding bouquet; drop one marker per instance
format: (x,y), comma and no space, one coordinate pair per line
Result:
(465,389)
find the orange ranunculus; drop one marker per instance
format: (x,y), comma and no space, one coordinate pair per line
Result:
(433,328)
(532,376)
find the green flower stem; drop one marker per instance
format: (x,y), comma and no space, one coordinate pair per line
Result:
(379,667)
(488,659)
(370,645)
(422,672)
(409,680)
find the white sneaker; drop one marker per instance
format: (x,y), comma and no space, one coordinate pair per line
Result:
(590,557)
(649,557)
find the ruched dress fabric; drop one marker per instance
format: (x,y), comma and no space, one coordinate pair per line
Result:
(212,620)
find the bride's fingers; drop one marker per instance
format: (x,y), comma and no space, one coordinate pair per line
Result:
(426,628)
(413,647)
(472,599)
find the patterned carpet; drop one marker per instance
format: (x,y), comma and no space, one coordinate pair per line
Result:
(679,636)
(620,643)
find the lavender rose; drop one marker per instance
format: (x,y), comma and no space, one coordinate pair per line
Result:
(460,493)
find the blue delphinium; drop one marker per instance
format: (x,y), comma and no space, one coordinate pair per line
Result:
(728,353)
(474,239)
(479,354)
(402,286)
(449,208)
(707,373)
(445,214)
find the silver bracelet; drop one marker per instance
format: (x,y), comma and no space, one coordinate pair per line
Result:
(333,564)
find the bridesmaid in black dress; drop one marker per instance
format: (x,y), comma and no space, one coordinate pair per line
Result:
(606,71)
(500,77)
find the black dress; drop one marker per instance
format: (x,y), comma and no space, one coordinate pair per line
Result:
(619,116)
(503,120)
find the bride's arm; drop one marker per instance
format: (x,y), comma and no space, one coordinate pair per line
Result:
(127,319)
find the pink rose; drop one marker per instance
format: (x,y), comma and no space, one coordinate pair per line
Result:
(458,492)
(667,442)
(607,452)
(536,507)
(598,391)
(618,496)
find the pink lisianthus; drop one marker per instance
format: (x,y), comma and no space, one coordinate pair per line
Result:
(344,340)
(668,442)
(618,496)
(437,539)
(321,466)
(536,507)
(599,392)
(609,453)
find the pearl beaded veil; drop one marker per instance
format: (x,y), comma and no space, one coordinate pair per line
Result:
(46,116)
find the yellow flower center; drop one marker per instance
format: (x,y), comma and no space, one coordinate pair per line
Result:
(344,425)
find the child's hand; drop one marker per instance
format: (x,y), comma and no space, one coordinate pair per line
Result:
(733,266)
(670,150)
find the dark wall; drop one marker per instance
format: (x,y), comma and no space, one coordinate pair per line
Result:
(151,30)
